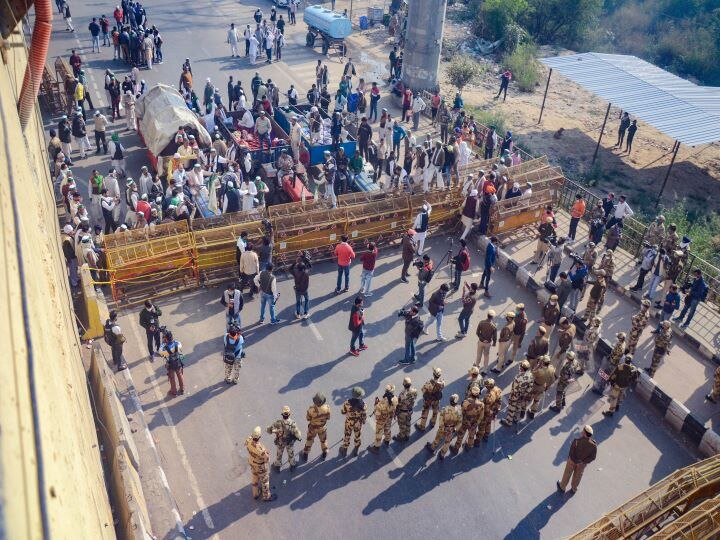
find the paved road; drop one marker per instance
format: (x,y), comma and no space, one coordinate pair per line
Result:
(504,489)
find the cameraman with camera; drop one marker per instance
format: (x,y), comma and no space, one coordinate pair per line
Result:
(150,321)
(547,235)
(300,271)
(425,274)
(170,350)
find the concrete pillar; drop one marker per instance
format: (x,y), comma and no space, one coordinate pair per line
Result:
(423,42)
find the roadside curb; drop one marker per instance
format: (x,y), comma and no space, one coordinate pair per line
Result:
(674,412)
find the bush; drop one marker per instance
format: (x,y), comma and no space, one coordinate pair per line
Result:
(463,71)
(704,230)
(524,66)
(492,117)
(495,15)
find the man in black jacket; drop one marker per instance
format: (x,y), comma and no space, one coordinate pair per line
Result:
(301,276)
(150,321)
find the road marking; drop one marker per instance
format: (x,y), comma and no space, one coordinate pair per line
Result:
(184,461)
(390,451)
(315,331)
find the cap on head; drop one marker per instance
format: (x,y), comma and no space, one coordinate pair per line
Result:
(437,372)
(407,381)
(285,409)
(358,392)
(525,365)
(620,335)
(546,359)
(491,313)
(489,382)
(454,399)
(588,429)
(319,399)
(475,390)
(510,315)
(666,324)
(390,388)
(646,303)
(570,355)
(596,320)
(256,433)
(519,307)
(542,330)
(554,297)
(474,371)
(601,273)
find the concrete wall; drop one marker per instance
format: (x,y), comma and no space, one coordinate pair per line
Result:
(423,42)
(51,478)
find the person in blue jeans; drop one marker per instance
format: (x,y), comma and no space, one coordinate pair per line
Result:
(460,262)
(413,329)
(698,293)
(425,274)
(490,261)
(302,282)
(356,324)
(469,299)
(344,254)
(267,284)
(672,302)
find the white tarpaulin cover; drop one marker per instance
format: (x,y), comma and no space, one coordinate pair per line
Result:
(161,111)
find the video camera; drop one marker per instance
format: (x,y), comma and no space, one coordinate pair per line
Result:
(552,240)
(404,313)
(163,330)
(268,226)
(418,263)
(576,257)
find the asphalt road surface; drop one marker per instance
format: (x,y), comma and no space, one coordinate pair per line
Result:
(505,489)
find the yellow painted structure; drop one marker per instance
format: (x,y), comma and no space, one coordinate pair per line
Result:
(51,476)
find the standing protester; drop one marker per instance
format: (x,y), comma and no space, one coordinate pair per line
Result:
(461,263)
(505,79)
(115,338)
(425,274)
(368,258)
(286,434)
(233,354)
(698,293)
(318,415)
(233,38)
(344,254)
(249,268)
(301,277)
(490,262)
(267,284)
(632,129)
(258,458)
(436,308)
(583,451)
(409,247)
(413,328)
(355,325)
(469,299)
(620,212)
(170,350)
(150,321)
(421,225)
(624,125)
(355,412)
(233,301)
(576,214)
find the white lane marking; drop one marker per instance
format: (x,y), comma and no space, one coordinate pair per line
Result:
(184,461)
(315,331)
(390,451)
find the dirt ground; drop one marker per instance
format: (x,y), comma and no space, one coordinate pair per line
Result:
(694,176)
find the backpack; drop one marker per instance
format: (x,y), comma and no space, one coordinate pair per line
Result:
(465,261)
(108,335)
(229,353)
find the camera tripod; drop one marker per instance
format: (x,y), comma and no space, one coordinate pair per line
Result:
(544,259)
(448,257)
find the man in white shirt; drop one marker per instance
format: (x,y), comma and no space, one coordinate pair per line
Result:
(145,181)
(295,138)
(247,34)
(622,210)
(246,120)
(248,191)
(232,39)
(418,106)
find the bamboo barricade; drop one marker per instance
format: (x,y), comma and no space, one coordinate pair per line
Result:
(171,257)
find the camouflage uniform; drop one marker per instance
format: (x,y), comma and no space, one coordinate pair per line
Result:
(597,291)
(544,376)
(404,410)
(286,433)
(566,334)
(492,401)
(618,350)
(258,459)
(590,255)
(585,347)
(673,270)
(384,414)
(355,412)
(317,416)
(567,372)
(520,394)
(432,394)
(623,376)
(655,233)
(671,241)
(473,410)
(473,380)
(450,419)
(662,347)
(715,394)
(639,322)
(607,263)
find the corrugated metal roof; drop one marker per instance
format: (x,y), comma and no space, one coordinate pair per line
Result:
(682,110)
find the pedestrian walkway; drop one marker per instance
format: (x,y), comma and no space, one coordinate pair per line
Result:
(686,374)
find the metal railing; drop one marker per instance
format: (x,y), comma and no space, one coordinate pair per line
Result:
(632,238)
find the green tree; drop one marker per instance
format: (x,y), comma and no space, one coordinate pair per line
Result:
(495,15)
(462,71)
(564,21)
